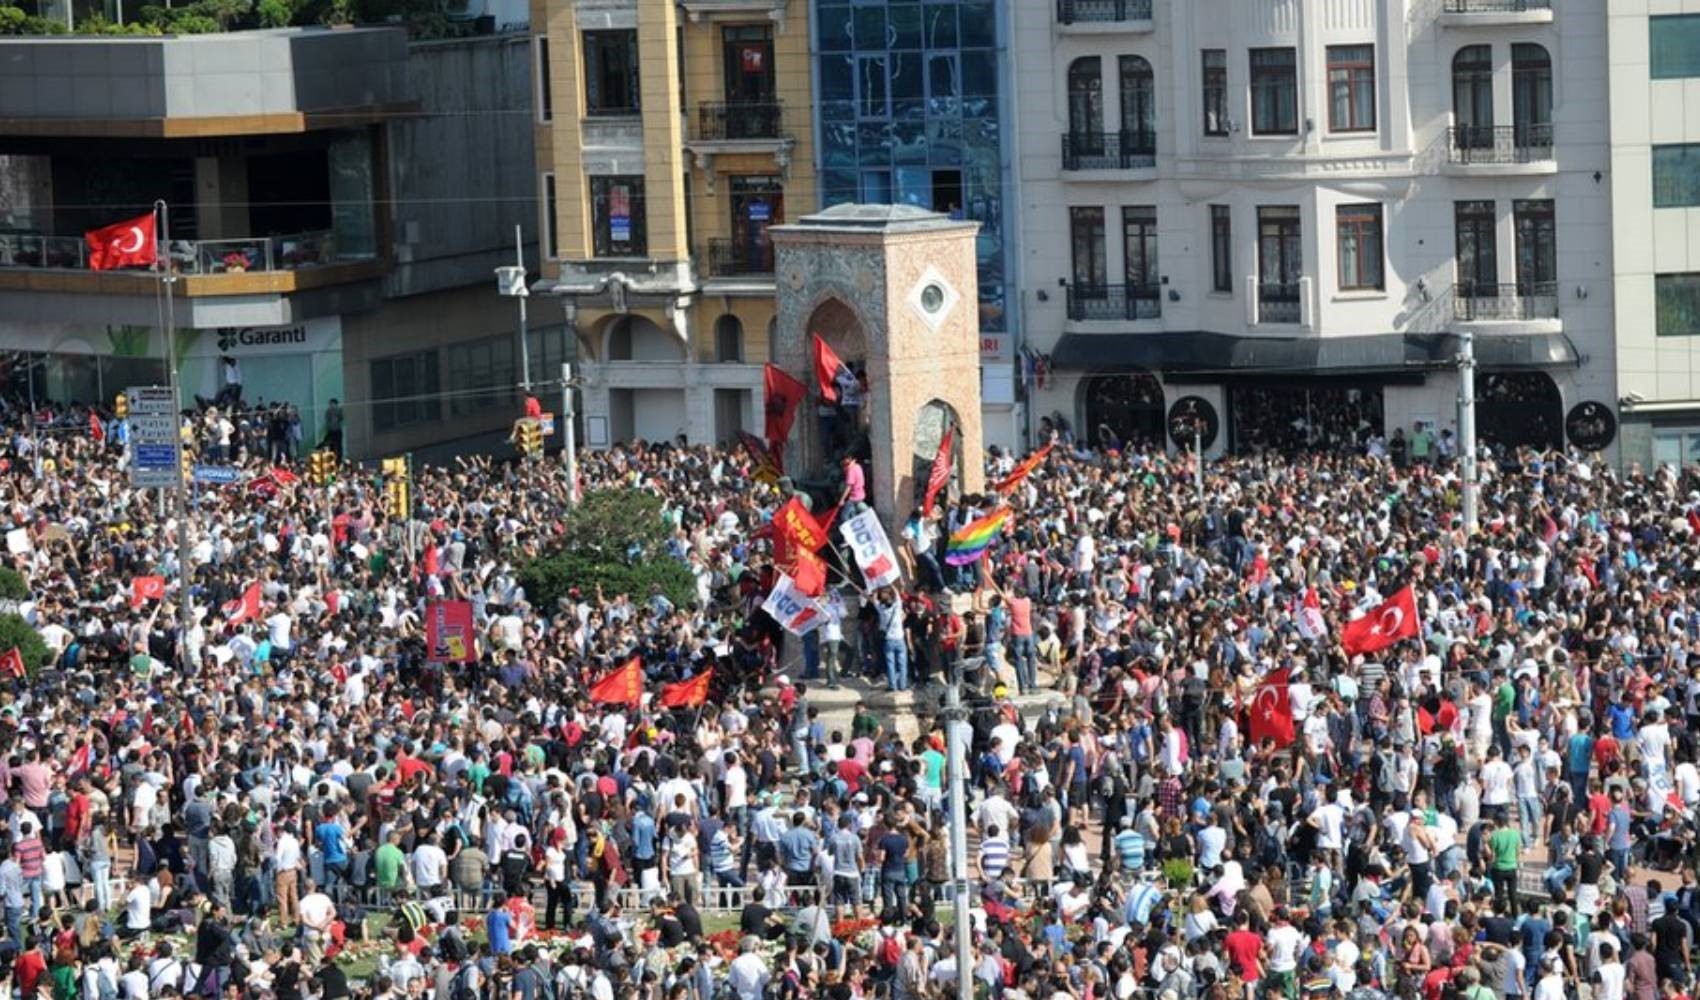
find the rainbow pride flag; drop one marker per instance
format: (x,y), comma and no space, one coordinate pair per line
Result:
(972,539)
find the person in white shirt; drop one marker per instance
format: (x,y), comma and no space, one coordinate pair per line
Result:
(748,974)
(1610,974)
(1495,781)
(138,909)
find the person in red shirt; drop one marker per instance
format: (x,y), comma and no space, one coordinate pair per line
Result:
(28,969)
(1245,949)
(1599,808)
(77,810)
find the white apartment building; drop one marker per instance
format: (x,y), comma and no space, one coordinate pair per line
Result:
(1654,61)
(1272,219)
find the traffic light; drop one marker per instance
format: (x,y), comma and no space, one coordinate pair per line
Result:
(321,467)
(530,437)
(395,487)
(121,406)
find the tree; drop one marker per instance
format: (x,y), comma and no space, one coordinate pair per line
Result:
(12,585)
(615,539)
(21,635)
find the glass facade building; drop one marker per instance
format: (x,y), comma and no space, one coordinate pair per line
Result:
(910,111)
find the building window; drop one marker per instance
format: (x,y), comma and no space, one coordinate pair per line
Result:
(728,340)
(1531,93)
(545,99)
(551,206)
(1139,104)
(1357,230)
(1086,231)
(1537,246)
(1676,176)
(616,206)
(1674,46)
(1472,97)
(1676,304)
(481,374)
(611,73)
(405,390)
(1215,91)
(1139,245)
(1221,249)
(1280,262)
(1477,248)
(1274,92)
(1351,88)
(1085,97)
(873,97)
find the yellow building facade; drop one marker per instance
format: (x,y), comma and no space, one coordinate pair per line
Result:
(670,136)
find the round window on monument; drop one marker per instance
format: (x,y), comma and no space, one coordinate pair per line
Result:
(932,297)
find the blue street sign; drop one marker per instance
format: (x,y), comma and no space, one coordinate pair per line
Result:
(219,474)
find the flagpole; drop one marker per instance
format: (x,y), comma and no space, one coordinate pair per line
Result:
(162,267)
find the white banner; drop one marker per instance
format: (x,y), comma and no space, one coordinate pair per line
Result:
(866,537)
(792,608)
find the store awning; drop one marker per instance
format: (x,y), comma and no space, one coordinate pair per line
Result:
(1203,352)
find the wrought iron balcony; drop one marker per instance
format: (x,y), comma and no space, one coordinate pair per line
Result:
(1278,302)
(1505,303)
(1114,302)
(1102,11)
(728,259)
(1125,150)
(730,121)
(1499,144)
(1496,6)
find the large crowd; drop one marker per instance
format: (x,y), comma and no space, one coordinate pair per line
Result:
(303,803)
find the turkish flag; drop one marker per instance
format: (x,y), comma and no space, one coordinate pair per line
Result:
(1272,710)
(12,663)
(244,608)
(123,244)
(96,431)
(827,368)
(1390,621)
(687,694)
(283,476)
(784,395)
(622,687)
(1310,621)
(146,588)
(940,474)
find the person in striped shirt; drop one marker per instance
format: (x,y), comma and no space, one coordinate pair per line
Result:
(994,853)
(1130,847)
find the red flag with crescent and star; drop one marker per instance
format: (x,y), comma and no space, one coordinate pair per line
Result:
(687,694)
(1386,623)
(123,244)
(1272,710)
(622,687)
(146,588)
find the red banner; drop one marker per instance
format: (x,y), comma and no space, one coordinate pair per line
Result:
(449,634)
(827,367)
(622,687)
(940,474)
(784,395)
(1022,471)
(687,694)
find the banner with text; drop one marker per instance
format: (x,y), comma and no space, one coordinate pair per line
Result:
(866,538)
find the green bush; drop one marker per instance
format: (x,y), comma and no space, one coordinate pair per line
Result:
(1178,873)
(616,538)
(12,585)
(14,631)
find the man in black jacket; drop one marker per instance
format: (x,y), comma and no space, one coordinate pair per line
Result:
(214,951)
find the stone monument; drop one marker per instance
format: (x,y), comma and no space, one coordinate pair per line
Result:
(891,288)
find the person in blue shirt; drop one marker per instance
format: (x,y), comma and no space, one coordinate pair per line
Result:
(797,847)
(498,927)
(1622,718)
(1578,758)
(332,839)
(1617,832)
(643,842)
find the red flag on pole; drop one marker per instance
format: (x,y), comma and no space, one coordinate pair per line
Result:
(1387,623)
(827,368)
(96,431)
(1272,710)
(244,608)
(123,244)
(146,588)
(784,395)
(12,663)
(687,694)
(622,687)
(1022,471)
(940,474)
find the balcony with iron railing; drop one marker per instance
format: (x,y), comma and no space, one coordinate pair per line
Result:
(1500,148)
(1125,150)
(739,121)
(1521,302)
(1105,14)
(738,259)
(1279,302)
(1472,13)
(265,263)
(1090,303)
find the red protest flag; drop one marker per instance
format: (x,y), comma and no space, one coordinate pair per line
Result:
(146,588)
(283,476)
(808,571)
(795,529)
(1387,623)
(622,687)
(96,431)
(1022,471)
(784,395)
(12,663)
(1272,710)
(244,608)
(828,366)
(940,474)
(123,244)
(687,694)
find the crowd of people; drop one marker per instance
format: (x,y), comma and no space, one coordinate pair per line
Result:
(291,799)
